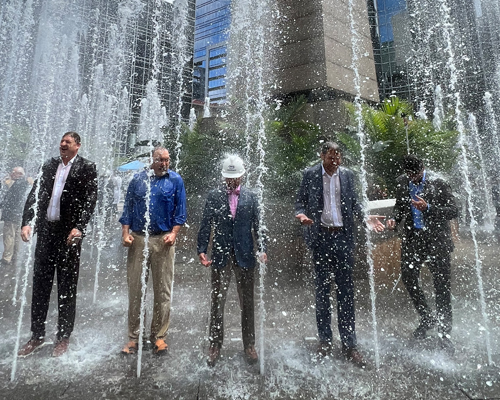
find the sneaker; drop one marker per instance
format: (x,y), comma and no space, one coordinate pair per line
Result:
(354,356)
(213,354)
(160,347)
(251,354)
(61,347)
(426,323)
(324,349)
(130,348)
(30,347)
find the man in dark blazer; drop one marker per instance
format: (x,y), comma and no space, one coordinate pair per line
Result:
(59,208)
(232,213)
(424,207)
(327,204)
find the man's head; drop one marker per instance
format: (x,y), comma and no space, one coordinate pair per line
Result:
(233,170)
(69,146)
(414,168)
(17,173)
(161,161)
(331,156)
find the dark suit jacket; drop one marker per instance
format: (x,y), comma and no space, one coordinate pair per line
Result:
(442,208)
(77,200)
(12,205)
(230,234)
(310,202)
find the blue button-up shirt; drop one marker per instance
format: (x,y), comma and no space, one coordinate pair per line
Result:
(418,218)
(167,205)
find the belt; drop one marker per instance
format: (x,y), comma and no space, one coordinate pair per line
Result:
(331,229)
(142,233)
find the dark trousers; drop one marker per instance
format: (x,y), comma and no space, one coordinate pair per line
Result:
(334,261)
(244,283)
(53,255)
(416,249)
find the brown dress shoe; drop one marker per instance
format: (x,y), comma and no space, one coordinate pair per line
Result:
(30,347)
(353,355)
(251,354)
(61,347)
(213,354)
(324,349)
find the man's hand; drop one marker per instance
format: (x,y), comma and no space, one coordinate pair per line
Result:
(169,238)
(26,233)
(391,224)
(204,260)
(304,220)
(263,258)
(74,236)
(420,204)
(127,240)
(374,223)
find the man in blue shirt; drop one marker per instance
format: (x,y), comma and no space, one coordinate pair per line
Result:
(153,213)
(424,206)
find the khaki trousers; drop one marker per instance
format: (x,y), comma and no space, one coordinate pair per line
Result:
(11,238)
(161,263)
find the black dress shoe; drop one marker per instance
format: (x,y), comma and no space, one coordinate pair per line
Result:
(354,356)
(324,349)
(426,323)
(447,345)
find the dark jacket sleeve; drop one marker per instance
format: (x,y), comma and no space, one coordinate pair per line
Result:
(29,206)
(205,225)
(90,197)
(445,207)
(259,229)
(302,199)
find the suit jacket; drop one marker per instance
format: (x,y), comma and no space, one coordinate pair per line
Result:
(12,205)
(229,233)
(78,198)
(310,202)
(442,208)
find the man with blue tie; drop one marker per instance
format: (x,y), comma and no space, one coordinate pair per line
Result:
(232,212)
(327,205)
(424,207)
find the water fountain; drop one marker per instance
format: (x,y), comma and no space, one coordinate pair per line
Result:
(55,75)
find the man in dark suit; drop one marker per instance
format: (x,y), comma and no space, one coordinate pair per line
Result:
(424,207)
(59,208)
(327,205)
(233,213)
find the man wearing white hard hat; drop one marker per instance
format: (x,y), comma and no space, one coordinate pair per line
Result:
(232,213)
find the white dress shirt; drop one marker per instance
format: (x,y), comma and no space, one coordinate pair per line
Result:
(332,215)
(54,209)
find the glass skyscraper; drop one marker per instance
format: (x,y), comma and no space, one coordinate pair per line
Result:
(213,18)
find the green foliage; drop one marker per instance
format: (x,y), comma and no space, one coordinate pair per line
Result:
(386,128)
(200,156)
(292,146)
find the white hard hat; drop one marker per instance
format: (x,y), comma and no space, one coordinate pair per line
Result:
(232,167)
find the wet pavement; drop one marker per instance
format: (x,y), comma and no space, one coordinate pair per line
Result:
(94,368)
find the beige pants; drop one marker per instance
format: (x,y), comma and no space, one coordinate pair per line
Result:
(11,238)
(161,263)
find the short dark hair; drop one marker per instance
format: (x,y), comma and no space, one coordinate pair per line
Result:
(327,146)
(411,163)
(157,148)
(74,135)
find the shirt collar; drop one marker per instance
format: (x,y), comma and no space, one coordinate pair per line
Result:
(323,171)
(70,162)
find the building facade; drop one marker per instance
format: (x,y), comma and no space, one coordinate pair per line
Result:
(212,23)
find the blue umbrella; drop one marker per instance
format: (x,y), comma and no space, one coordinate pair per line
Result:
(131,166)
